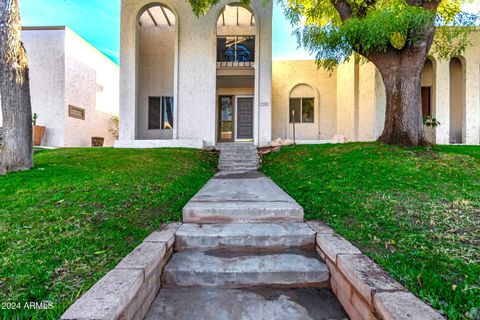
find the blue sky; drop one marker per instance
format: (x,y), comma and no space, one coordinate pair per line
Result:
(98,22)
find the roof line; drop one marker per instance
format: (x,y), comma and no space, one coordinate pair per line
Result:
(44,28)
(65,28)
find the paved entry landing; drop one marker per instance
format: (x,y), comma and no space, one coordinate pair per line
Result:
(244,252)
(241,197)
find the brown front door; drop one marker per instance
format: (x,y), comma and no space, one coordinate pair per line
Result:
(244,118)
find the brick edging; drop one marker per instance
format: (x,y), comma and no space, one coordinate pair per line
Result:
(127,291)
(363,288)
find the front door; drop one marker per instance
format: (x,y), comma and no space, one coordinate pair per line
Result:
(245,118)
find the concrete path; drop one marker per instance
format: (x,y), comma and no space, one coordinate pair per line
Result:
(255,304)
(244,252)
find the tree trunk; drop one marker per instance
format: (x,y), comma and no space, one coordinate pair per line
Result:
(403,114)
(17,149)
(401,71)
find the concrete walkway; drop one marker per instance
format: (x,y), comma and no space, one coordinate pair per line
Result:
(244,252)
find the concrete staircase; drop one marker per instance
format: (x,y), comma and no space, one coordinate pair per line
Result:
(238,156)
(241,255)
(244,252)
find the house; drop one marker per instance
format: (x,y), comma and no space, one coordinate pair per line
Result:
(74,87)
(192,81)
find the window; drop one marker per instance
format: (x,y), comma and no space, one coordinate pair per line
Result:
(236,49)
(302,110)
(160,113)
(76,112)
(426,102)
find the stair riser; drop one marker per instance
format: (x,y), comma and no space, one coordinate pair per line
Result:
(183,243)
(246,215)
(239,280)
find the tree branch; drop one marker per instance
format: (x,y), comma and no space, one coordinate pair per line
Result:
(343,9)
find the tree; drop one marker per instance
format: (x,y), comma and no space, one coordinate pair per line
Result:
(16,151)
(395,35)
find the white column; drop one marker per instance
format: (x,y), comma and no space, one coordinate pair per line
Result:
(472,102)
(366,102)
(442,101)
(128,77)
(263,92)
(346,99)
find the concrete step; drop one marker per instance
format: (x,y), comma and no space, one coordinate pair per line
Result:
(244,197)
(239,158)
(238,167)
(251,304)
(227,212)
(242,160)
(240,270)
(244,236)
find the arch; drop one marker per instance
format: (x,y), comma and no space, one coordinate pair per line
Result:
(156,61)
(231,3)
(302,90)
(457,99)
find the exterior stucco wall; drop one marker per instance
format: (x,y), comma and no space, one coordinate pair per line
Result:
(472,90)
(46,57)
(155,74)
(323,85)
(91,83)
(64,70)
(194,71)
(80,91)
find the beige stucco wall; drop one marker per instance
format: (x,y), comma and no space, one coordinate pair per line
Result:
(46,57)
(194,71)
(288,75)
(80,91)
(64,70)
(91,83)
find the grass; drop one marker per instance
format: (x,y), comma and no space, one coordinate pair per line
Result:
(68,221)
(415,212)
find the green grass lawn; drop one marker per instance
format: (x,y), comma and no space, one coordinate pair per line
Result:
(415,212)
(68,221)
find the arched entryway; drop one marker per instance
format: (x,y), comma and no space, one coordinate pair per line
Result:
(156,74)
(457,100)
(235,82)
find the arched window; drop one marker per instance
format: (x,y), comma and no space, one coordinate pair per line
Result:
(302,104)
